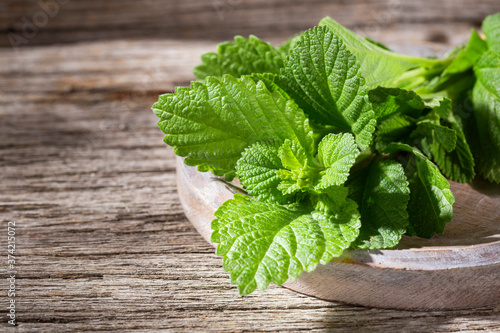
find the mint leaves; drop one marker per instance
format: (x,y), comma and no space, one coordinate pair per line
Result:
(383,196)
(337,153)
(211,123)
(240,58)
(326,77)
(263,243)
(378,65)
(337,141)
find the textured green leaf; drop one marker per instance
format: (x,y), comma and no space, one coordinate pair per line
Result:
(256,170)
(292,155)
(440,105)
(262,243)
(330,201)
(383,195)
(273,82)
(276,82)
(486,100)
(379,66)
(446,146)
(435,136)
(457,165)
(397,111)
(211,123)
(395,128)
(431,200)
(323,78)
(387,101)
(491,28)
(299,173)
(240,57)
(337,154)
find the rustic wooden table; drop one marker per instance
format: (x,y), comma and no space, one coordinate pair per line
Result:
(102,242)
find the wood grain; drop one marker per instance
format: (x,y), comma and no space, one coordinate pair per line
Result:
(90,20)
(103,243)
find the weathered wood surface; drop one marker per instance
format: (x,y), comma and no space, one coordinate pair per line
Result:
(103,243)
(71,20)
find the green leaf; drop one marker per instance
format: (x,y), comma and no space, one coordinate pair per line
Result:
(395,128)
(211,123)
(323,78)
(292,155)
(491,28)
(383,194)
(330,201)
(239,58)
(486,101)
(388,101)
(262,243)
(468,56)
(435,136)
(457,165)
(256,170)
(276,82)
(337,154)
(381,67)
(299,173)
(431,200)
(446,145)
(441,105)
(379,44)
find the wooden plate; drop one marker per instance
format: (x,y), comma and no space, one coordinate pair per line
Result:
(458,269)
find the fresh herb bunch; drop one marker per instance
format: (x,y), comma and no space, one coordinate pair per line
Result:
(338,142)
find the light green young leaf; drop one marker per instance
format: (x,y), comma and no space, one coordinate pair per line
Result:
(212,123)
(491,28)
(323,78)
(240,57)
(299,173)
(302,170)
(262,243)
(381,67)
(382,193)
(486,100)
(257,171)
(431,200)
(330,201)
(293,155)
(337,154)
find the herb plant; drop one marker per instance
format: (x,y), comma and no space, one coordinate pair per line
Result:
(337,141)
